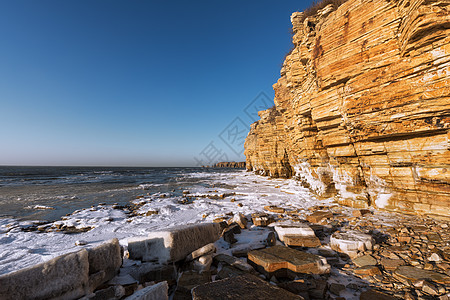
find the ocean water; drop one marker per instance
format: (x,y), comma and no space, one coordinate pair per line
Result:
(48,193)
(34,203)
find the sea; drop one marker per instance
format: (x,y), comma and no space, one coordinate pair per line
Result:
(49,211)
(48,193)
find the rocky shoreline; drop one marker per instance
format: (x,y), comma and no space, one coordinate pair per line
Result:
(230,164)
(331,252)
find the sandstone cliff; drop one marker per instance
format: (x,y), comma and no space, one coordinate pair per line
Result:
(362,108)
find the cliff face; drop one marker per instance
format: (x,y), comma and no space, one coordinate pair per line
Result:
(362,108)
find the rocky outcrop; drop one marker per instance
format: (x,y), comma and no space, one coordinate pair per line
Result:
(362,108)
(230,164)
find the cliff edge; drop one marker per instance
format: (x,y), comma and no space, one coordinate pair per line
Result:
(362,107)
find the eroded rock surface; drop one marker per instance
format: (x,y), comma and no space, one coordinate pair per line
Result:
(362,107)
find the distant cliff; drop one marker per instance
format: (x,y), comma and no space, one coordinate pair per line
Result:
(232,164)
(362,108)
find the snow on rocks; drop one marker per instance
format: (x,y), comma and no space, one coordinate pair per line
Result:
(105,260)
(296,234)
(350,242)
(65,277)
(174,243)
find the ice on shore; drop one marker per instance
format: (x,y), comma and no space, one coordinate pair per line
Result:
(20,248)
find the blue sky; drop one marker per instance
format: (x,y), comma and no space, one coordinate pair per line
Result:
(135,83)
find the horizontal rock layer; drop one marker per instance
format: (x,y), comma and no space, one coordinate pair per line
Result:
(362,108)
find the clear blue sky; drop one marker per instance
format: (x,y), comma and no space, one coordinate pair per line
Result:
(134,83)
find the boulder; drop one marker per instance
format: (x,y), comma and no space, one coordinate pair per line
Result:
(64,277)
(173,244)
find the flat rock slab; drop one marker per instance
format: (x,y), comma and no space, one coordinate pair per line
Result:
(246,287)
(351,242)
(173,244)
(391,264)
(365,260)
(64,277)
(157,291)
(296,234)
(319,215)
(413,274)
(279,257)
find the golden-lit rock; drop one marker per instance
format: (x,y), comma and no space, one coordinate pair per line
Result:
(362,107)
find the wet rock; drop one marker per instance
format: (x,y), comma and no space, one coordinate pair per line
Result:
(174,243)
(279,260)
(296,234)
(65,276)
(413,274)
(247,287)
(351,242)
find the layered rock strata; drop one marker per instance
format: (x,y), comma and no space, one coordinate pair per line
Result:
(362,108)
